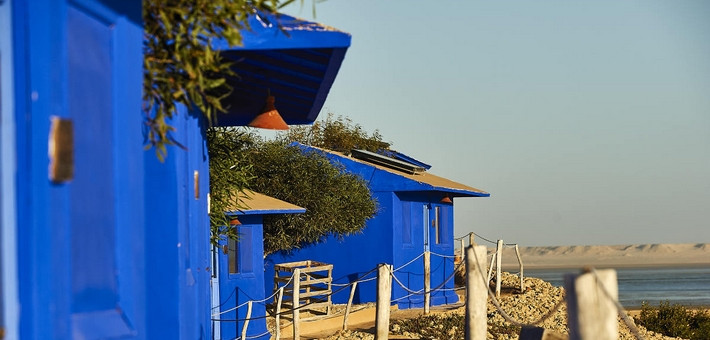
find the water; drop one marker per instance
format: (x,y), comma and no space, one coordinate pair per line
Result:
(688,286)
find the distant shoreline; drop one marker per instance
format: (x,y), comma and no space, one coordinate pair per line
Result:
(616,256)
(514,267)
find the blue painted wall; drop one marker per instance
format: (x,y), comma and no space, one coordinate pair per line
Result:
(177,231)
(394,236)
(122,249)
(236,289)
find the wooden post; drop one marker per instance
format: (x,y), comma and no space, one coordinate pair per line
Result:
(329,308)
(296,302)
(348,306)
(520,262)
(278,314)
(591,313)
(490,268)
(384,294)
(463,249)
(499,259)
(471,239)
(246,322)
(427,281)
(476,294)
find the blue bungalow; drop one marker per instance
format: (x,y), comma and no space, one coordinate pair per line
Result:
(239,265)
(98,238)
(415,214)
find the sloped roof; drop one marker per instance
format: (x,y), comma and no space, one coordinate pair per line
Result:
(294,60)
(428,181)
(260,204)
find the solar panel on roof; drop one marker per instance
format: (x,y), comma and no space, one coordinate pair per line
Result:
(385,161)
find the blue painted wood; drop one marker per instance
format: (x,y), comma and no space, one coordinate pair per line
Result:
(177,259)
(280,31)
(395,235)
(238,288)
(9,304)
(294,60)
(82,243)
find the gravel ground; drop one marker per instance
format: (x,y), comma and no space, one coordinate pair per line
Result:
(538,299)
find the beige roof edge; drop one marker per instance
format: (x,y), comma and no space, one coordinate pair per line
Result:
(258,202)
(424,177)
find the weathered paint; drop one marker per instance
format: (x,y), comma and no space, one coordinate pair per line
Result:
(394,236)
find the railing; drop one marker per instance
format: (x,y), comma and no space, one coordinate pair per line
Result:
(591,298)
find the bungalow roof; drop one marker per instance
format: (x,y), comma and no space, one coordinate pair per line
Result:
(260,204)
(426,181)
(293,60)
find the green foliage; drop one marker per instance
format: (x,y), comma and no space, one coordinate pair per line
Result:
(180,66)
(230,175)
(675,320)
(337,203)
(337,134)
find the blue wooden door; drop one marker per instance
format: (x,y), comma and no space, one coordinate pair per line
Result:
(80,238)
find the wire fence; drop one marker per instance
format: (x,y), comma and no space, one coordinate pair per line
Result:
(439,288)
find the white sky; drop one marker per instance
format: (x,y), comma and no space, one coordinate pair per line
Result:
(588,122)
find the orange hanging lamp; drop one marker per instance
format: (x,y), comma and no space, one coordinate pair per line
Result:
(269,118)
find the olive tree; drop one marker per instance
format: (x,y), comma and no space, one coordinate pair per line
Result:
(337,203)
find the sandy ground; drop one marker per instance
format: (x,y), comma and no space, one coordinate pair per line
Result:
(635,255)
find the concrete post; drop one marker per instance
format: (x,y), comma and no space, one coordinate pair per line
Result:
(476,294)
(591,313)
(384,295)
(520,262)
(499,259)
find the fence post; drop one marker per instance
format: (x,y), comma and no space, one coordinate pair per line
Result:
(427,281)
(499,259)
(384,294)
(520,262)
(246,322)
(463,249)
(278,313)
(591,313)
(490,268)
(348,306)
(476,294)
(296,302)
(471,239)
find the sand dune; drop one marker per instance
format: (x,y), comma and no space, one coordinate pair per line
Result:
(609,256)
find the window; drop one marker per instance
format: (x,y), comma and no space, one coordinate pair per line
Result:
(407,223)
(437,225)
(233,255)
(239,252)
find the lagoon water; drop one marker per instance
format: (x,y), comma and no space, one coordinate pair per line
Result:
(688,286)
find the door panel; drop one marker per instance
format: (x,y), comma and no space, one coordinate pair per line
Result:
(93,217)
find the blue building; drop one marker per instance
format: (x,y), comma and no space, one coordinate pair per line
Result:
(240,269)
(415,213)
(99,239)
